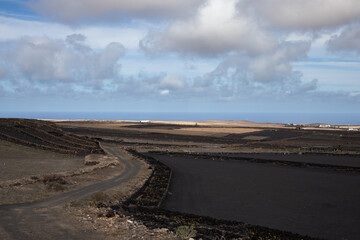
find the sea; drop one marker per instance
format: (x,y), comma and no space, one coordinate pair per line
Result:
(295,118)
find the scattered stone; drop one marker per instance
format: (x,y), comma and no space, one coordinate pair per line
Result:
(162,230)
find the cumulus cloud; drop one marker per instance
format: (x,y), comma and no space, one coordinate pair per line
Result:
(277,65)
(238,77)
(247,37)
(267,76)
(51,63)
(300,14)
(347,41)
(304,14)
(249,26)
(78,11)
(215,29)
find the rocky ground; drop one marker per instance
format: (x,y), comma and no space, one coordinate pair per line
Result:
(115,226)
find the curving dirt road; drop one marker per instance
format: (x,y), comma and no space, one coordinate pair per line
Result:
(44,219)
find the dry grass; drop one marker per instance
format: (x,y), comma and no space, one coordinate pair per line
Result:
(213,123)
(201,131)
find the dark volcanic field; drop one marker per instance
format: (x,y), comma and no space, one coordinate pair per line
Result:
(309,201)
(349,162)
(336,160)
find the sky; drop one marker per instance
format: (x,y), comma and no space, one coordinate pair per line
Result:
(180,56)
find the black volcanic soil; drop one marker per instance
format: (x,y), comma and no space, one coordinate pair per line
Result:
(269,134)
(46,136)
(135,134)
(337,160)
(281,139)
(134,131)
(325,160)
(316,202)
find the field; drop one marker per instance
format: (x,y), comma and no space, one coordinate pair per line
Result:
(19,161)
(233,180)
(305,200)
(224,136)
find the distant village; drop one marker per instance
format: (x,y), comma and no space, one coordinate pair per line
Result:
(325,126)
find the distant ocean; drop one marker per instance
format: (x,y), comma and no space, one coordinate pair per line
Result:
(330,118)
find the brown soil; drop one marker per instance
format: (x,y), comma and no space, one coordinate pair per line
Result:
(19,161)
(40,190)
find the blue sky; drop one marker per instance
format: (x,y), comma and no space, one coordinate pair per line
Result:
(180,56)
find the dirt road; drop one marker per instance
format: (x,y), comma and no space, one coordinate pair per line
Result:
(44,219)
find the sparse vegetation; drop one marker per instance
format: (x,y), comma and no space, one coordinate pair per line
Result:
(54,182)
(186,232)
(51,178)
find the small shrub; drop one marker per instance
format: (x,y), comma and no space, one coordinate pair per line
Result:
(53,178)
(186,232)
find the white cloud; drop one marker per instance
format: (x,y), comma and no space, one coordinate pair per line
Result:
(51,63)
(268,76)
(304,14)
(253,45)
(276,66)
(78,11)
(299,14)
(217,28)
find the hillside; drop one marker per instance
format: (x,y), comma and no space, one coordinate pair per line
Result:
(46,136)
